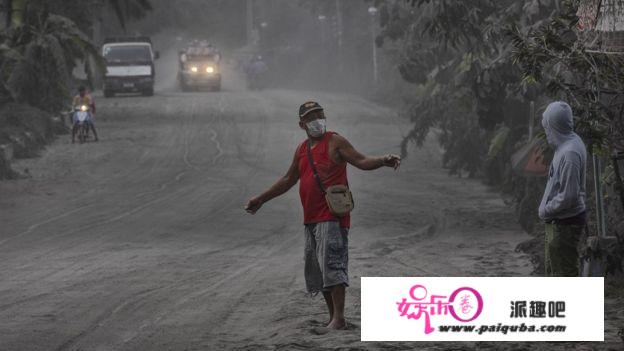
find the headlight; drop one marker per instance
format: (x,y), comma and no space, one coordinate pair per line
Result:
(210,69)
(194,69)
(83,108)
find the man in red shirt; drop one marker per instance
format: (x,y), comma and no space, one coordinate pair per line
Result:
(326,236)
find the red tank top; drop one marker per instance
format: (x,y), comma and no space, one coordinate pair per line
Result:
(315,207)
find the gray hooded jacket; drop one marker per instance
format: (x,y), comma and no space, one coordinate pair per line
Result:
(564,196)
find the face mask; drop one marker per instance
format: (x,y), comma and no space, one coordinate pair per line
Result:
(316,128)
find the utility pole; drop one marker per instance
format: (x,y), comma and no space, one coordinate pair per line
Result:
(372,11)
(340,54)
(339,24)
(600,208)
(96,37)
(98,9)
(249,20)
(324,51)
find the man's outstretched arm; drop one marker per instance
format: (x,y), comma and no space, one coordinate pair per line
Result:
(281,186)
(367,163)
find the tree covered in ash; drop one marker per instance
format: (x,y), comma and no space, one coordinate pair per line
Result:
(459,55)
(477,66)
(43,41)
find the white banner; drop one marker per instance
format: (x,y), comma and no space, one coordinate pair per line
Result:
(483,309)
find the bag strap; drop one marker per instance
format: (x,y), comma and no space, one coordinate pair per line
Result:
(316,176)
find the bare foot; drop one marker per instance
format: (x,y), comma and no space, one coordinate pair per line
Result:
(337,324)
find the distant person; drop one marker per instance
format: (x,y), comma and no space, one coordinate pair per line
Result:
(563,203)
(257,67)
(256,73)
(83,98)
(326,235)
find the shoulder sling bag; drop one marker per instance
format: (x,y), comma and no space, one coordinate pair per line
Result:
(338,197)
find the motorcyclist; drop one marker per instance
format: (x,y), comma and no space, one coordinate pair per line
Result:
(256,69)
(83,98)
(257,66)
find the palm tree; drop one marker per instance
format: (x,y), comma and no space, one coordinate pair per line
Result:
(124,9)
(38,50)
(38,55)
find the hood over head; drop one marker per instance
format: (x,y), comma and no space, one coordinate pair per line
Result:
(558,123)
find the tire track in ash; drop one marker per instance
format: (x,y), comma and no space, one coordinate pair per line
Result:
(117,214)
(260,258)
(110,312)
(189,137)
(177,178)
(132,173)
(224,201)
(37,225)
(237,286)
(247,246)
(249,177)
(133,302)
(108,316)
(215,121)
(82,205)
(214,135)
(218,175)
(132,211)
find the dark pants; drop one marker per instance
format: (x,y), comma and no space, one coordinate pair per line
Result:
(561,257)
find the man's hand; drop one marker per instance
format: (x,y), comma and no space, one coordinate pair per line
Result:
(391,160)
(281,186)
(253,205)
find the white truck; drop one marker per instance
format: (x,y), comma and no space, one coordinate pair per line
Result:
(129,65)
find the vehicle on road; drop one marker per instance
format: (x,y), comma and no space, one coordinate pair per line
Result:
(257,71)
(256,81)
(81,117)
(129,65)
(199,68)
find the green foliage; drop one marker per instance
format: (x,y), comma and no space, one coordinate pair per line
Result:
(459,51)
(37,58)
(479,63)
(555,55)
(498,142)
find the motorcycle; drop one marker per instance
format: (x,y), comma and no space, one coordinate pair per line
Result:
(256,81)
(81,116)
(257,75)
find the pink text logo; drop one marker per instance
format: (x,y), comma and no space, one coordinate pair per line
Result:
(464,304)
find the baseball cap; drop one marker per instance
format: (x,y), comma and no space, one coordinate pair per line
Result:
(308,107)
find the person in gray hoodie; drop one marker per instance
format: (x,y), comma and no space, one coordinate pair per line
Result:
(563,204)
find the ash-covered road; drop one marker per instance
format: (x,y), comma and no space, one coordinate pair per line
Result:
(140,241)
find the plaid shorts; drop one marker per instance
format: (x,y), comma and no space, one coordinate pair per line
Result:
(326,256)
